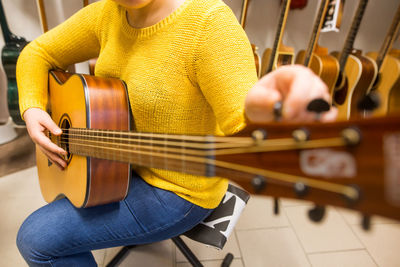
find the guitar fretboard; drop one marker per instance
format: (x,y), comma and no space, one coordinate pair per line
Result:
(349,43)
(316,31)
(279,33)
(390,37)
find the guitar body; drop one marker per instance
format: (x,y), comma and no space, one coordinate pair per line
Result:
(395,53)
(283,57)
(364,85)
(9,57)
(360,74)
(79,101)
(324,65)
(388,87)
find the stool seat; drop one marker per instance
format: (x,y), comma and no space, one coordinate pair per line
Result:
(213,231)
(217,227)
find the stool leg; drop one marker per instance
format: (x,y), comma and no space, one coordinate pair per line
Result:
(121,254)
(187,252)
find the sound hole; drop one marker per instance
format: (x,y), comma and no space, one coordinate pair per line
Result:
(64,142)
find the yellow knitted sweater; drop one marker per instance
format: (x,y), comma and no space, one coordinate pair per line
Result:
(187,74)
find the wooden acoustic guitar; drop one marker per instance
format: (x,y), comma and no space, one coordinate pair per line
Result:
(357,73)
(243,19)
(9,56)
(279,54)
(387,86)
(316,57)
(352,164)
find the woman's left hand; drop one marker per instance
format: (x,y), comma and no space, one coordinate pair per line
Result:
(296,86)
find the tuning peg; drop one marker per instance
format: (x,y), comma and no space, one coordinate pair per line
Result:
(259,183)
(278,111)
(301,189)
(369,102)
(318,106)
(366,222)
(276,205)
(317,213)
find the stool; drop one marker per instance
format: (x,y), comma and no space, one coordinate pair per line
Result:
(212,231)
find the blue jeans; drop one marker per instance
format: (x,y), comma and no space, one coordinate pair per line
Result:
(59,234)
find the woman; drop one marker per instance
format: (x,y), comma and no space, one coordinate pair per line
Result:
(189,69)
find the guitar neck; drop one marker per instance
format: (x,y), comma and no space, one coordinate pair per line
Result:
(243,16)
(42,15)
(351,36)
(389,39)
(279,33)
(175,153)
(319,21)
(8,36)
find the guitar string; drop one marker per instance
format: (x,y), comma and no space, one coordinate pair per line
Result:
(277,145)
(284,143)
(162,136)
(206,144)
(347,191)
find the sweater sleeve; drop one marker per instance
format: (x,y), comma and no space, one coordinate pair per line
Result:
(75,40)
(225,68)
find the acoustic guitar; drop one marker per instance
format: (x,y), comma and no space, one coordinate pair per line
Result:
(279,54)
(316,57)
(387,85)
(357,73)
(352,164)
(9,55)
(243,19)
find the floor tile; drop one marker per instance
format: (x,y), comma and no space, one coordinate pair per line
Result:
(289,202)
(16,210)
(259,213)
(382,242)
(156,254)
(110,254)
(20,184)
(349,258)
(271,247)
(235,263)
(204,252)
(329,235)
(353,217)
(99,256)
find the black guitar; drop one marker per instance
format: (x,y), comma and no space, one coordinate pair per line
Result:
(9,55)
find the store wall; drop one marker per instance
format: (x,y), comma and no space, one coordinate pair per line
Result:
(23,19)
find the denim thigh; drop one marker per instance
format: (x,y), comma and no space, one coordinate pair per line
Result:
(148,214)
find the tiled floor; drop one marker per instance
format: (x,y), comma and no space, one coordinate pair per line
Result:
(260,238)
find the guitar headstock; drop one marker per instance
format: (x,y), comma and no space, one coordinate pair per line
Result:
(352,164)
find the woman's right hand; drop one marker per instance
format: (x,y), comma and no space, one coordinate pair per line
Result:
(38,122)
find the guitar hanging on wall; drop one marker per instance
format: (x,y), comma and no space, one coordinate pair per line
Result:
(387,85)
(316,57)
(353,164)
(9,55)
(279,54)
(357,73)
